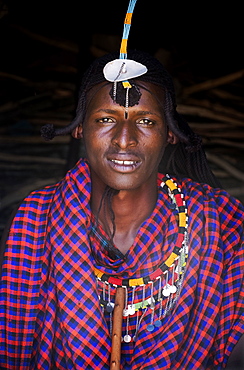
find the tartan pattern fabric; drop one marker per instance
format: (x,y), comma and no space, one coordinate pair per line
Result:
(50,315)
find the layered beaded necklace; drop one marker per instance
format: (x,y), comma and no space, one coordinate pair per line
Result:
(168,276)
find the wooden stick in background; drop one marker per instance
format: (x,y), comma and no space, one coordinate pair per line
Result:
(117,329)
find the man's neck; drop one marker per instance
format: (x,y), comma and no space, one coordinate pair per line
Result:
(130,208)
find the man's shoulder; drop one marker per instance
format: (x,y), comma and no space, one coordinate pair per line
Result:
(215,203)
(42,195)
(35,206)
(203,193)
(208,192)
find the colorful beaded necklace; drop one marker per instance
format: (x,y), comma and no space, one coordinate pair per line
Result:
(176,261)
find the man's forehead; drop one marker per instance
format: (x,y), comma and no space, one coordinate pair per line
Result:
(141,85)
(151,102)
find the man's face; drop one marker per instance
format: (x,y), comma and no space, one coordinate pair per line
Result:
(124,153)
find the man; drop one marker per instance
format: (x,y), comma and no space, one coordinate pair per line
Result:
(171,242)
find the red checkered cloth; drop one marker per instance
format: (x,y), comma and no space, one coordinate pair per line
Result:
(50,313)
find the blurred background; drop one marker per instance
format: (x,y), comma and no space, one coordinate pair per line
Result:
(45,46)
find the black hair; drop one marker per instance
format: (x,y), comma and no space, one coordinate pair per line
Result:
(184,159)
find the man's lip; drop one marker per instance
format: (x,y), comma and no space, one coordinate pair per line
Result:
(124,163)
(123,157)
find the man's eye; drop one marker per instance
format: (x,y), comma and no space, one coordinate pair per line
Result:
(145,122)
(105,120)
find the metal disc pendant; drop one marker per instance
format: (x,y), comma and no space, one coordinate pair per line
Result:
(158,323)
(110,307)
(125,312)
(131,309)
(127,338)
(172,289)
(150,327)
(166,292)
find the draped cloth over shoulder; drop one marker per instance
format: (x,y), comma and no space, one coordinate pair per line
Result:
(50,313)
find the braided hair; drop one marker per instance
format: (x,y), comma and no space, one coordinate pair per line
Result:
(184,159)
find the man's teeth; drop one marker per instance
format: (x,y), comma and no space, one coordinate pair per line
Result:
(123,163)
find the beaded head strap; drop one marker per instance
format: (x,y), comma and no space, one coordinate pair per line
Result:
(123,69)
(117,71)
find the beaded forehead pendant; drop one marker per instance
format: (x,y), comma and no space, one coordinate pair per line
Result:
(123,69)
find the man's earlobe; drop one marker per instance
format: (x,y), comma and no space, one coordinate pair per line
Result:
(172,139)
(77,132)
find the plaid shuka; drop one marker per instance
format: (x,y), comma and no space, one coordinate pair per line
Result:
(50,314)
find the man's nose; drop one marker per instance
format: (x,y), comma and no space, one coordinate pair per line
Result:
(125,135)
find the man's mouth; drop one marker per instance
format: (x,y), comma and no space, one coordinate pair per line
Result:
(124,163)
(124,166)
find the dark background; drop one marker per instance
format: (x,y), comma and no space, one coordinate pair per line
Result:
(45,46)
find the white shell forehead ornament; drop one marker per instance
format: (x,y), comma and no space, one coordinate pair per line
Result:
(123,69)
(119,70)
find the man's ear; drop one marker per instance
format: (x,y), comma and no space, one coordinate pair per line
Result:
(77,132)
(172,139)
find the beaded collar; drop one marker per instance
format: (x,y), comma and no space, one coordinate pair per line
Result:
(177,201)
(170,290)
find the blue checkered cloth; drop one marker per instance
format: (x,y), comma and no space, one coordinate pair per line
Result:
(50,313)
